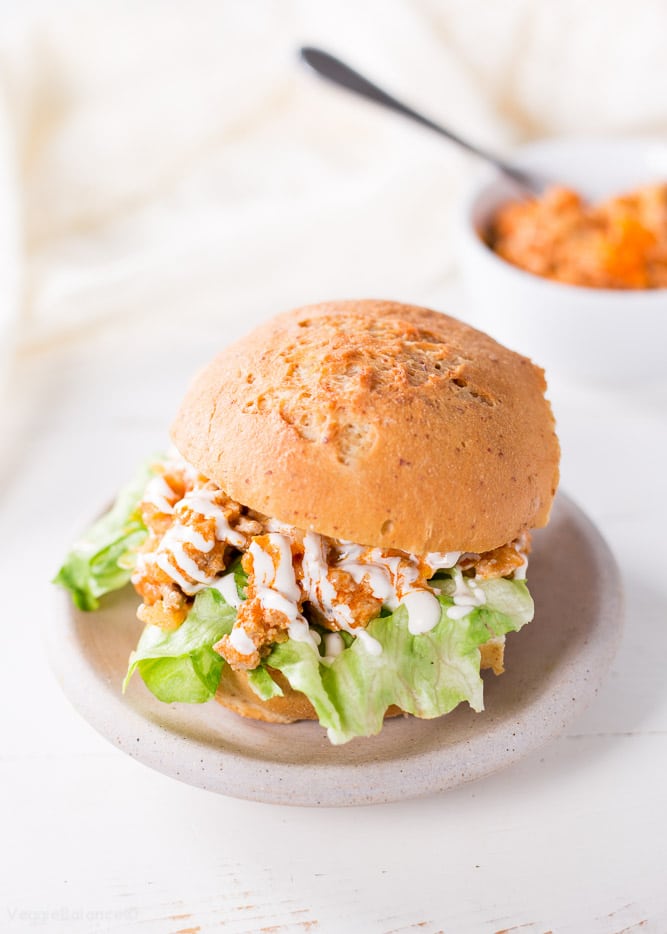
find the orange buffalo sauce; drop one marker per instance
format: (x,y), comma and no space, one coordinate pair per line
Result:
(620,243)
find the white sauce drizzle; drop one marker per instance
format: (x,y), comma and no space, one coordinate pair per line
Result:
(423,611)
(199,501)
(276,586)
(159,494)
(467,595)
(175,562)
(458,612)
(227,587)
(241,641)
(172,557)
(320,591)
(272,600)
(391,578)
(187,564)
(262,565)
(300,631)
(372,646)
(333,644)
(442,559)
(377,576)
(285,580)
(163,562)
(180,533)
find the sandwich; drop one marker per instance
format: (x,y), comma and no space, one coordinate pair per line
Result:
(341,531)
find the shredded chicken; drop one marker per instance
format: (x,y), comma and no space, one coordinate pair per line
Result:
(262,625)
(196,531)
(359,597)
(501,562)
(184,549)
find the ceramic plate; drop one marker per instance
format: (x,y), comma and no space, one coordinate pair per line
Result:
(553,669)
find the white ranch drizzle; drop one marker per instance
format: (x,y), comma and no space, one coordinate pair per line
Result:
(372,646)
(172,571)
(284,579)
(320,591)
(467,595)
(180,533)
(176,562)
(392,579)
(199,501)
(158,493)
(378,576)
(276,587)
(241,641)
(171,556)
(333,644)
(273,600)
(458,612)
(227,587)
(442,559)
(187,564)
(423,611)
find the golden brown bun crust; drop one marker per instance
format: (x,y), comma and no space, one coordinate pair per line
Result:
(235,693)
(380,423)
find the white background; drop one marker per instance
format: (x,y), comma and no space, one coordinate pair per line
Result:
(573,839)
(174,180)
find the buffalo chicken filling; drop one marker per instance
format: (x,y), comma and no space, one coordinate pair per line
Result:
(195,532)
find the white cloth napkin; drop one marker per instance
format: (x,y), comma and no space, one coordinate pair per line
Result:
(172,158)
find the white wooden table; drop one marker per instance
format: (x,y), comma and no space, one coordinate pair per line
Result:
(573,839)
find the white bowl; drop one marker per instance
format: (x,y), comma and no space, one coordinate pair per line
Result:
(604,337)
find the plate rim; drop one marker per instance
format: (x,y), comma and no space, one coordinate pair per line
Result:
(345,783)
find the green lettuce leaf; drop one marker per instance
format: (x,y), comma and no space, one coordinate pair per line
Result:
(103,559)
(240,577)
(425,675)
(263,684)
(182,665)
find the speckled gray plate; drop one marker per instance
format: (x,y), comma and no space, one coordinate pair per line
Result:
(553,669)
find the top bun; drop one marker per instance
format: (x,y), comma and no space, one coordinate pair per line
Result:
(379,423)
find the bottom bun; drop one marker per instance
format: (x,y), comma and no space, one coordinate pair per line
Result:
(235,692)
